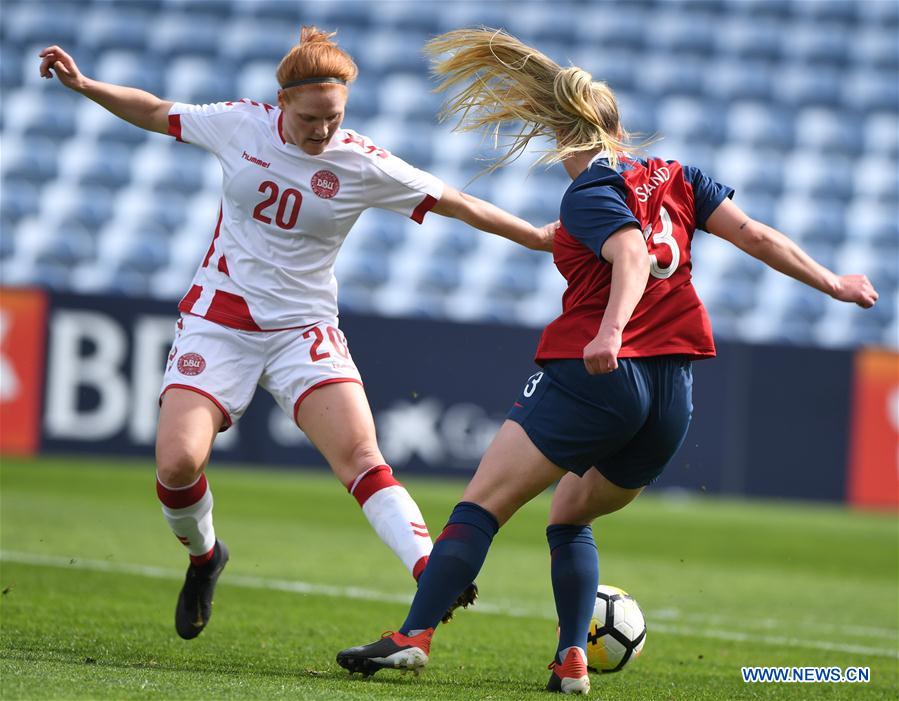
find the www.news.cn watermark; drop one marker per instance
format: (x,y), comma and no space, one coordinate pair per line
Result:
(806,675)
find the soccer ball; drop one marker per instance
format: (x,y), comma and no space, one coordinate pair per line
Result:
(617,631)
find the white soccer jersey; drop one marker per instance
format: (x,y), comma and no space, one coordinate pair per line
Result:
(284,214)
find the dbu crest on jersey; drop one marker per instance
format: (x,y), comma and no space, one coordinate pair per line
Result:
(325,184)
(191,364)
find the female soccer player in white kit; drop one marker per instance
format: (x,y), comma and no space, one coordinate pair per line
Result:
(262,308)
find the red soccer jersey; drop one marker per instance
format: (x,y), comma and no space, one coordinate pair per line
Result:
(668,202)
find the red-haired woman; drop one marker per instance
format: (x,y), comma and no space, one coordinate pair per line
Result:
(262,309)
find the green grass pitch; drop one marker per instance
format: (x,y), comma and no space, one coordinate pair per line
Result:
(90,574)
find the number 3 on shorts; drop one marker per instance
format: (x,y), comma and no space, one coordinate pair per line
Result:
(531,385)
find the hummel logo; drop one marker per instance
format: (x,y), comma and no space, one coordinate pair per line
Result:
(252,159)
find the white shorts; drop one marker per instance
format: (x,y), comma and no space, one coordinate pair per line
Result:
(225,365)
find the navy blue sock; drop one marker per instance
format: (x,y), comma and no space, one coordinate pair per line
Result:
(455,561)
(575,576)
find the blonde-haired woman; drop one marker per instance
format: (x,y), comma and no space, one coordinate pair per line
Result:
(262,309)
(612,401)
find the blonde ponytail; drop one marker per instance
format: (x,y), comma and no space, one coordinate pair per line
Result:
(509,82)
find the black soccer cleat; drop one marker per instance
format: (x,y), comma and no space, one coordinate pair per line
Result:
(194,607)
(467,598)
(393,651)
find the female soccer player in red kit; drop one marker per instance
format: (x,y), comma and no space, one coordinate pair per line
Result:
(612,401)
(262,309)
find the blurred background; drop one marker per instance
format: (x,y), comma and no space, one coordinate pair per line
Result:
(793,103)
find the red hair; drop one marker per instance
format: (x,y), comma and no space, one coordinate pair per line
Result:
(316,56)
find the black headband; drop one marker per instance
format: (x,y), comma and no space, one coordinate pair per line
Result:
(310,81)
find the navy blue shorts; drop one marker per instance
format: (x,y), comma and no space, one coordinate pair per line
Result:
(627,424)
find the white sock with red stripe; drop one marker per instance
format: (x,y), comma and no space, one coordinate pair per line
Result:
(188,511)
(394,515)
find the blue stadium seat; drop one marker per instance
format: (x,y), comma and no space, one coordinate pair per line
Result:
(884,15)
(736,298)
(754,10)
(275,11)
(356,297)
(761,125)
(54,275)
(880,134)
(756,42)
(54,118)
(799,87)
(869,91)
(415,150)
(7,235)
(109,167)
(456,243)
(426,19)
(834,11)
(131,283)
(69,245)
(42,24)
(370,269)
(440,277)
(875,50)
(740,80)
(145,254)
(36,161)
(183,172)
(825,131)
(94,206)
(117,132)
(744,270)
(692,120)
(638,113)
(812,46)
(763,178)
(761,206)
(21,198)
(167,214)
(384,232)
(135,69)
(684,33)
(659,76)
(110,31)
(175,37)
(11,67)
(258,41)
(805,304)
(620,30)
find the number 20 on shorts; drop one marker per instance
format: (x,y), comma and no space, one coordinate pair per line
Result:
(335,336)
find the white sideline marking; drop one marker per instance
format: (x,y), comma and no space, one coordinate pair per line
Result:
(298,587)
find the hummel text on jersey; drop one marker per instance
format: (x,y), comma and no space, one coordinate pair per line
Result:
(257,161)
(662,175)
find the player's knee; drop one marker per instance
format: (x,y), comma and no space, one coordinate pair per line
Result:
(358,457)
(178,468)
(573,508)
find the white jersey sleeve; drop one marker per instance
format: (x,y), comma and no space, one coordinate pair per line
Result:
(209,126)
(391,183)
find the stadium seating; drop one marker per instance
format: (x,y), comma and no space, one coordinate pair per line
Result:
(795,104)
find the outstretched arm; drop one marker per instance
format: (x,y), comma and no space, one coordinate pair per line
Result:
(626,251)
(136,106)
(490,218)
(777,251)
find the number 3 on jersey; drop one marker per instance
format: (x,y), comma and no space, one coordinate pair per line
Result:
(289,202)
(665,237)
